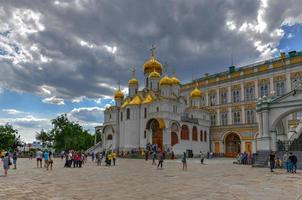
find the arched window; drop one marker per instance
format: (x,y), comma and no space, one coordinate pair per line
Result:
(194,134)
(128,113)
(184,132)
(205,136)
(201,136)
(109,137)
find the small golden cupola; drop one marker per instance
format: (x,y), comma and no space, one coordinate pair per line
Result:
(154,74)
(165,81)
(119,94)
(133,84)
(152,64)
(133,80)
(196,93)
(175,81)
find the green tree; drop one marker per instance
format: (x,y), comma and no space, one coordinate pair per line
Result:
(69,135)
(9,138)
(44,137)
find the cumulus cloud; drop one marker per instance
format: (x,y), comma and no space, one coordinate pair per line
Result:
(54,100)
(27,126)
(87,114)
(13,111)
(77,49)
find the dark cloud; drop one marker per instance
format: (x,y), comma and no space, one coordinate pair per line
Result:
(81,48)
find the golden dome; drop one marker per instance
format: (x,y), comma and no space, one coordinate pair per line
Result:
(152,65)
(165,81)
(133,81)
(154,74)
(196,93)
(175,81)
(119,94)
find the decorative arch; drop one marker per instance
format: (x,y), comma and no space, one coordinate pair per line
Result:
(184,135)
(232,142)
(156,125)
(194,134)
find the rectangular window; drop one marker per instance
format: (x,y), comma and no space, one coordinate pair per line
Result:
(213,119)
(128,113)
(250,116)
(236,117)
(280,88)
(145,113)
(212,100)
(236,96)
(223,98)
(264,90)
(249,93)
(224,118)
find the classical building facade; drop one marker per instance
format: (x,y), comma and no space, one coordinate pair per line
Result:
(214,113)
(231,98)
(157,114)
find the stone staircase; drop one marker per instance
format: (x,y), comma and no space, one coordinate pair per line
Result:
(96,148)
(260,159)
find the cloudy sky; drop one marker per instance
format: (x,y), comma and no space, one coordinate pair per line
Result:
(67,56)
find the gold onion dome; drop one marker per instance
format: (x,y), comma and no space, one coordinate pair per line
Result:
(152,65)
(196,93)
(133,81)
(154,74)
(175,81)
(165,81)
(119,94)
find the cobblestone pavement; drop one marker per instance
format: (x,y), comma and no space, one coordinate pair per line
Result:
(138,179)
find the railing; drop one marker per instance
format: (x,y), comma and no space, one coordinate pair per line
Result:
(295,145)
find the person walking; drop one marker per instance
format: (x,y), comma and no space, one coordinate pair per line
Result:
(201,158)
(272,161)
(46,159)
(293,162)
(50,161)
(184,161)
(160,160)
(6,163)
(153,157)
(39,156)
(286,161)
(15,156)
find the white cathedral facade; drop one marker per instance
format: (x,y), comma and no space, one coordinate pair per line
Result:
(157,114)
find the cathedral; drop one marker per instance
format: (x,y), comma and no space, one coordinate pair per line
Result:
(216,112)
(158,114)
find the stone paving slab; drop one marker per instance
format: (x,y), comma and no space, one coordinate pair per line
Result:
(137,179)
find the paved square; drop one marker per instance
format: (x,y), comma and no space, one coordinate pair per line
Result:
(138,179)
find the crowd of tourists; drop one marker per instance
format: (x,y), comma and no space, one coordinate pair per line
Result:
(74,158)
(47,157)
(289,162)
(109,156)
(244,158)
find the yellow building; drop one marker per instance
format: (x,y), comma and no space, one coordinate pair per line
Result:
(231,97)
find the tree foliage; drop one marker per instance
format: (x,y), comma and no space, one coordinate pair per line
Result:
(45,137)
(68,135)
(9,138)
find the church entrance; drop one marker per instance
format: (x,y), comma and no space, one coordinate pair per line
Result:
(174,138)
(156,126)
(232,145)
(157,138)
